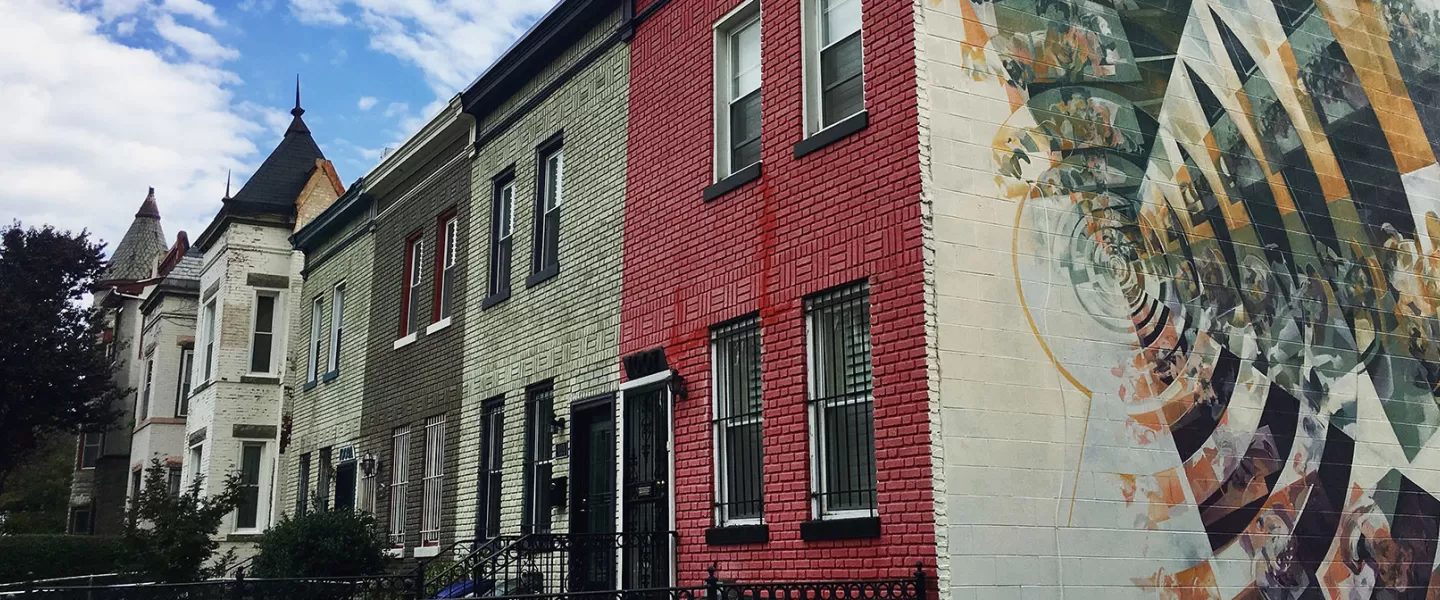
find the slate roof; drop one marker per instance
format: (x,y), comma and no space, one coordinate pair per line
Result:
(282,176)
(134,257)
(188,268)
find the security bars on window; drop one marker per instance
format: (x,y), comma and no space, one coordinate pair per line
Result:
(842,67)
(841,404)
(539,456)
(399,483)
(492,467)
(738,435)
(433,477)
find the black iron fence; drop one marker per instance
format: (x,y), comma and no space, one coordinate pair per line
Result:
(542,564)
(338,588)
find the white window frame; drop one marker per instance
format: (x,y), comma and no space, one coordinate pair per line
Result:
(211,316)
(147,391)
(337,324)
(718,429)
(185,386)
(724,30)
(99,447)
(197,459)
(399,484)
(262,483)
(810,31)
(432,482)
(317,318)
(817,446)
(277,318)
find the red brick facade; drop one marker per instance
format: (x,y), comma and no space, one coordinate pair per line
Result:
(848,212)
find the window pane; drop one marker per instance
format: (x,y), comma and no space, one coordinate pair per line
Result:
(839,18)
(337,326)
(317,316)
(841,405)
(849,456)
(187,366)
(738,425)
(745,131)
(507,211)
(265,314)
(745,60)
(554,186)
(434,471)
(841,81)
(399,484)
(249,487)
(539,412)
(743,471)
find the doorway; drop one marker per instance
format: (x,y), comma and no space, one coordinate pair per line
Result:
(592,477)
(645,490)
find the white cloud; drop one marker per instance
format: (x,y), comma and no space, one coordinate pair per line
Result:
(366,103)
(192,8)
(318,12)
(199,45)
(125,28)
(90,123)
(396,109)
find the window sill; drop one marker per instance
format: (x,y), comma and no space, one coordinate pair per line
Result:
(309,385)
(244,536)
(395,553)
(407,340)
(426,551)
(840,529)
(265,379)
(331,376)
(494,299)
(737,534)
(202,387)
(733,182)
(542,275)
(437,326)
(832,134)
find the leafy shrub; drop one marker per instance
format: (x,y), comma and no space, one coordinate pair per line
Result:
(24,557)
(322,543)
(171,538)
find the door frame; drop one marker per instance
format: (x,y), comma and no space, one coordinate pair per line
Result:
(594,404)
(636,386)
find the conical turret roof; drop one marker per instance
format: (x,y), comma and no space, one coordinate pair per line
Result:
(283,174)
(134,257)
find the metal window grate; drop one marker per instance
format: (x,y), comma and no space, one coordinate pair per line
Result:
(492,465)
(841,403)
(738,424)
(433,478)
(539,458)
(399,483)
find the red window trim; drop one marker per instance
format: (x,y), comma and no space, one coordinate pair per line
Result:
(405,308)
(440,256)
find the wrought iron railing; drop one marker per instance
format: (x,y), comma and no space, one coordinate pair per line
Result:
(542,563)
(462,577)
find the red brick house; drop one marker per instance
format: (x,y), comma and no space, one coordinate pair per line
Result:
(772,249)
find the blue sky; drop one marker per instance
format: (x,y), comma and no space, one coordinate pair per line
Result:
(105,98)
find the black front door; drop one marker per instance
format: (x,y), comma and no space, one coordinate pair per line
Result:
(646,489)
(592,479)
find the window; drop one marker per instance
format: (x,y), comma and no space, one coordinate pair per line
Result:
(366,501)
(434,471)
(302,495)
(322,483)
(492,463)
(90,444)
(262,333)
(545,259)
(736,368)
(143,410)
(410,302)
(737,73)
(399,483)
(247,514)
(187,367)
(449,232)
(337,324)
(82,521)
(210,332)
(502,225)
(317,320)
(175,481)
(134,489)
(196,473)
(841,405)
(835,67)
(539,454)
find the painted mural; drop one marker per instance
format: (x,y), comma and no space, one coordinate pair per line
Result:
(1228,237)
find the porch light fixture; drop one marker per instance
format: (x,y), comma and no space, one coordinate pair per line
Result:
(368,464)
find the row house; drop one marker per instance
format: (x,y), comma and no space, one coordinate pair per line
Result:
(250,286)
(136,267)
(1053,298)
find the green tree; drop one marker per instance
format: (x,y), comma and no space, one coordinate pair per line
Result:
(54,375)
(38,498)
(322,543)
(171,538)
